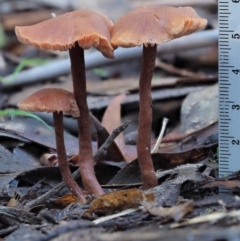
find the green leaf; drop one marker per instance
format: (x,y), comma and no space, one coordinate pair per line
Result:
(101,73)
(2,37)
(14,112)
(21,65)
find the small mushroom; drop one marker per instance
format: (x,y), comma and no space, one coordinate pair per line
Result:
(75,31)
(149,26)
(57,101)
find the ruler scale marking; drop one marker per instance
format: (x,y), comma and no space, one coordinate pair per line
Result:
(229,86)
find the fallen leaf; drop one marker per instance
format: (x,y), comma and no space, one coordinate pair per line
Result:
(66,200)
(12,203)
(13,163)
(112,119)
(199,109)
(225,184)
(130,174)
(176,213)
(37,132)
(212,218)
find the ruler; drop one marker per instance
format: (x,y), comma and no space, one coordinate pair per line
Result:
(229,86)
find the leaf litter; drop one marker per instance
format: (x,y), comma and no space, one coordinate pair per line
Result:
(185,204)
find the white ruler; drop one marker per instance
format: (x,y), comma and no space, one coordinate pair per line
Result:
(229,86)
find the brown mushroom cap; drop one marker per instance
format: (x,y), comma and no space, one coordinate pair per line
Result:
(86,27)
(155,25)
(51,100)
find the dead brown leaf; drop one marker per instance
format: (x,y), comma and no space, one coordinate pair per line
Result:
(12,203)
(176,213)
(66,200)
(202,138)
(225,184)
(112,119)
(130,174)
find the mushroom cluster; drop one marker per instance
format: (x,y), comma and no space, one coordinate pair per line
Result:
(82,29)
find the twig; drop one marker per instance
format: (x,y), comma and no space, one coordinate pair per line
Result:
(176,71)
(42,199)
(159,140)
(103,149)
(100,152)
(17,216)
(6,231)
(64,229)
(116,215)
(174,137)
(95,59)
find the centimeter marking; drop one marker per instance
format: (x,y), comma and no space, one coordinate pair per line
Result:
(229,86)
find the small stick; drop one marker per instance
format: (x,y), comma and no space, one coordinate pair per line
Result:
(103,149)
(62,229)
(100,152)
(95,59)
(115,215)
(159,140)
(9,230)
(176,71)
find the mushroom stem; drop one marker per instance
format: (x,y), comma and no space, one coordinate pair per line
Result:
(148,175)
(62,158)
(86,166)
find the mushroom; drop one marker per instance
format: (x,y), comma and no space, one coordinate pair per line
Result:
(57,101)
(75,31)
(149,26)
